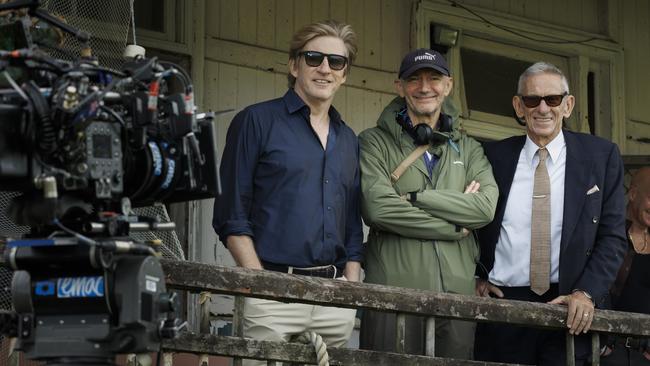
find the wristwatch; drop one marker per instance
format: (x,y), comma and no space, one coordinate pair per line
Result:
(585,293)
(412,196)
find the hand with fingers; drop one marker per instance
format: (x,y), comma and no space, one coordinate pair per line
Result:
(472,187)
(484,288)
(580,311)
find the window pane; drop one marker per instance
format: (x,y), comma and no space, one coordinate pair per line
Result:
(150,15)
(490,81)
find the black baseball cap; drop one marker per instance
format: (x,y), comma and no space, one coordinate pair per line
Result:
(422,58)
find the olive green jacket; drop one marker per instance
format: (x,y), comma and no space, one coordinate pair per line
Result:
(419,244)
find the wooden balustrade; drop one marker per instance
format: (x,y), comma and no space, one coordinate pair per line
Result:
(197,277)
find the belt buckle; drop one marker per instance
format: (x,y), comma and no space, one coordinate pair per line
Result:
(327,272)
(628,341)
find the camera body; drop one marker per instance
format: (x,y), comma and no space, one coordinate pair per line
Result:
(82,145)
(102,137)
(76,302)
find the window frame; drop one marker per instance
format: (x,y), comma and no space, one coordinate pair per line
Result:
(474,120)
(177,24)
(581,60)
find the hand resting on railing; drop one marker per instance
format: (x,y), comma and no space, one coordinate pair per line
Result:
(580,312)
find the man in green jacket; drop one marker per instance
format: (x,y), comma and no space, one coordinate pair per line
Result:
(425,186)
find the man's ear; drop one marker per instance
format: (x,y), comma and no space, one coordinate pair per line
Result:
(399,87)
(516,104)
(631,194)
(570,103)
(449,85)
(292,67)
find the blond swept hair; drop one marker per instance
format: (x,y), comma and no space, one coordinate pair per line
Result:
(327,28)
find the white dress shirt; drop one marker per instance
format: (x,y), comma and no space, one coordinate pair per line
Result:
(512,256)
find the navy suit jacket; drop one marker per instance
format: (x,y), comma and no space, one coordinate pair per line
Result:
(593,229)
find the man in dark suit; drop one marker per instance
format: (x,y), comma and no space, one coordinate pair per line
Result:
(559,230)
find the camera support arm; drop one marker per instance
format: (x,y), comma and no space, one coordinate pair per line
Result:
(33,10)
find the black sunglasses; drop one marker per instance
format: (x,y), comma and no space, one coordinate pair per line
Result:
(532,101)
(315,58)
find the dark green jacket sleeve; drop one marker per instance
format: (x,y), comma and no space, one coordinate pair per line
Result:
(471,210)
(383,209)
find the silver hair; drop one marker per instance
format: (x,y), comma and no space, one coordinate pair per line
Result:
(541,67)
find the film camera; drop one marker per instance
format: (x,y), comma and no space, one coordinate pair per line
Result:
(83,144)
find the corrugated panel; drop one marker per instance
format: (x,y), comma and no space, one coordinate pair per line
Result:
(371,33)
(382,25)
(576,14)
(638,130)
(636,40)
(248,28)
(235,87)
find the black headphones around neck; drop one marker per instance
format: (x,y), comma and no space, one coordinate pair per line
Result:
(422,133)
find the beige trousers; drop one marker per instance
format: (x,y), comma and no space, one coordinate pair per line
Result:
(270,320)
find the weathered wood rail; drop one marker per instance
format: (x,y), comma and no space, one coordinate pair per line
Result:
(196,277)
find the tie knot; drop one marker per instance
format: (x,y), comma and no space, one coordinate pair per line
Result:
(543,153)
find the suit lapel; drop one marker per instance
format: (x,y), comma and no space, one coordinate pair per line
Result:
(576,181)
(504,171)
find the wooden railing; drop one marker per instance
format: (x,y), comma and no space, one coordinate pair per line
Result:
(198,277)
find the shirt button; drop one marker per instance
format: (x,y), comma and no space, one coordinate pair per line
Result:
(595,219)
(327,181)
(329,208)
(329,236)
(588,252)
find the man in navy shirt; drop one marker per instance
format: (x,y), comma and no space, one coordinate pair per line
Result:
(290,195)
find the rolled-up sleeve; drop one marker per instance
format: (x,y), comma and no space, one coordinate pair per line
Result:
(232,208)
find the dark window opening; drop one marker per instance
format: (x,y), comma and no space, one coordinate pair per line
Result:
(150,15)
(490,81)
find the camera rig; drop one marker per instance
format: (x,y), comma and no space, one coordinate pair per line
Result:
(82,144)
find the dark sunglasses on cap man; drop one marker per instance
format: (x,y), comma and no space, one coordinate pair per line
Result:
(532,101)
(315,58)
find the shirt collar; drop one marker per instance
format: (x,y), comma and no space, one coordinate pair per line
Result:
(294,104)
(554,148)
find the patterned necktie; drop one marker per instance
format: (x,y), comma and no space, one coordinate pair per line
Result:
(540,241)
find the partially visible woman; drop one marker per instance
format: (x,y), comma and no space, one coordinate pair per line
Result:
(631,290)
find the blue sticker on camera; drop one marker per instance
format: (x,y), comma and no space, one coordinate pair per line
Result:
(71,287)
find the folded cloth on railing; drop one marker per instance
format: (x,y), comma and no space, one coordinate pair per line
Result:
(328,271)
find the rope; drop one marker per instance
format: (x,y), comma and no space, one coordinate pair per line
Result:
(133,20)
(322,357)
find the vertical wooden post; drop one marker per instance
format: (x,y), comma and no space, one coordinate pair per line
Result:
(204,322)
(14,359)
(595,349)
(570,350)
(400,344)
(168,359)
(238,325)
(430,342)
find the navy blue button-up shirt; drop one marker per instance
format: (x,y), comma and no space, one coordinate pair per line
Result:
(299,202)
